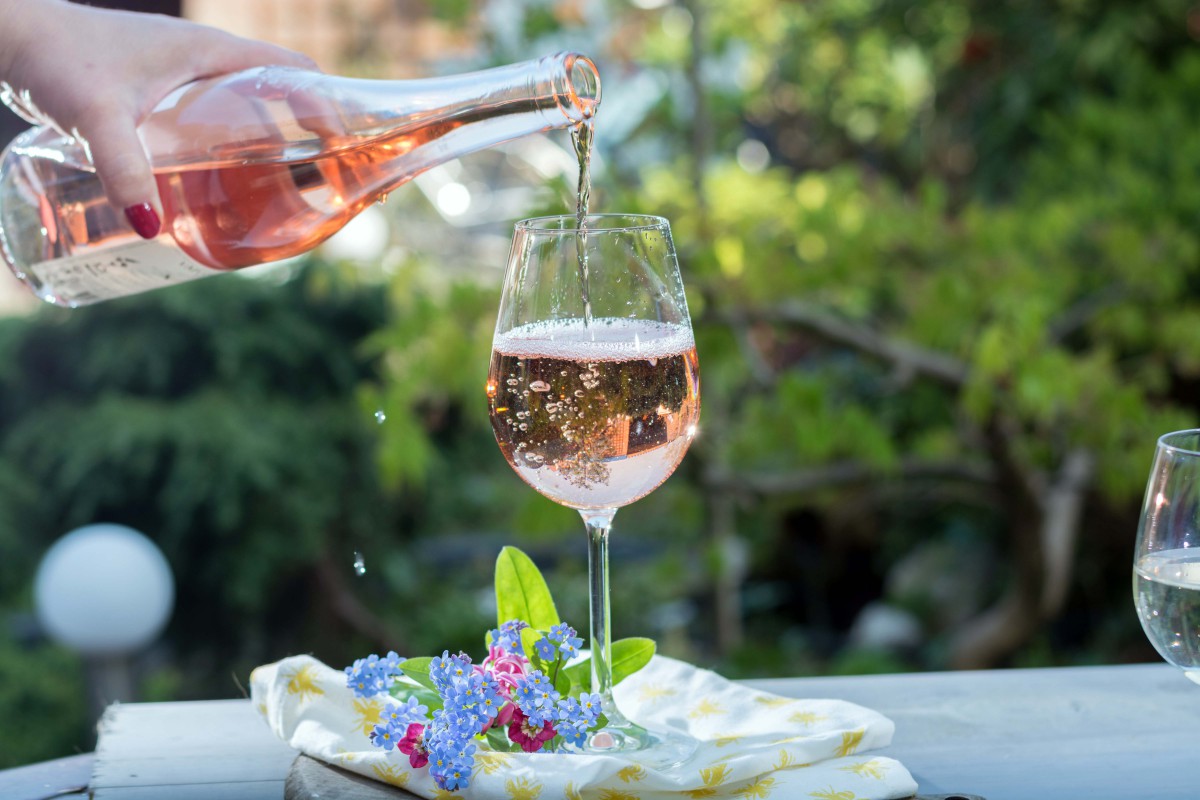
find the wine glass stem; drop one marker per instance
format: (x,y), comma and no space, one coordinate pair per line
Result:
(599,523)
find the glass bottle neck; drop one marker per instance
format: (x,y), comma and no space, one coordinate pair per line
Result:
(273,114)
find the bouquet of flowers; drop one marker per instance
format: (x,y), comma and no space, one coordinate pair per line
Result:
(531,693)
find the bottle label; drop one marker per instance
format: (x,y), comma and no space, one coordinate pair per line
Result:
(115,272)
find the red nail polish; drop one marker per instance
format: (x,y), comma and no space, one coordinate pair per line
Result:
(144,220)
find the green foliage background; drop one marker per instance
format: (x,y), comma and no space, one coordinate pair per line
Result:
(966,280)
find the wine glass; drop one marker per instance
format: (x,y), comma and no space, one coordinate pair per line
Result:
(594,392)
(1166,567)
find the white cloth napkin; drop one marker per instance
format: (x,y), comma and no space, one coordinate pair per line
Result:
(749,745)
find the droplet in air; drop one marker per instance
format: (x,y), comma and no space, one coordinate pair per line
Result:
(360,564)
(540,386)
(380,416)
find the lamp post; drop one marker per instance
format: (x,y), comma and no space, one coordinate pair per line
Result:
(106,592)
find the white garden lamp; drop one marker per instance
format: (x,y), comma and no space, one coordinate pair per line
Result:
(106,592)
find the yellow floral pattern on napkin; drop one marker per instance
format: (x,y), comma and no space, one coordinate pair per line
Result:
(749,745)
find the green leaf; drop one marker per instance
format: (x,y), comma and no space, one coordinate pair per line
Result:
(402,690)
(563,683)
(498,741)
(574,687)
(521,591)
(580,674)
(530,637)
(629,655)
(418,670)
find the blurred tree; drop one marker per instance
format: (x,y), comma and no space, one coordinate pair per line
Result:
(43,701)
(932,274)
(942,262)
(222,421)
(873,334)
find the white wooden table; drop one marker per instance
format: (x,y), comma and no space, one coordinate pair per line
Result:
(213,750)
(1085,733)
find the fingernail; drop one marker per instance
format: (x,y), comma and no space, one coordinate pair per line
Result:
(144,220)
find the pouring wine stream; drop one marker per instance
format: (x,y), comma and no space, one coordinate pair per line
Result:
(582,135)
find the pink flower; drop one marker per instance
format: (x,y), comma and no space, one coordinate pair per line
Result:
(529,737)
(504,667)
(413,745)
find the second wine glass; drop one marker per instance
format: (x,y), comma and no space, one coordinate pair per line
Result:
(594,391)
(1166,566)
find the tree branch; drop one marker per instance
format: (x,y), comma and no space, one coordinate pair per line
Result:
(905,357)
(1084,311)
(1043,512)
(701,118)
(841,474)
(760,370)
(1062,508)
(989,636)
(1043,527)
(731,571)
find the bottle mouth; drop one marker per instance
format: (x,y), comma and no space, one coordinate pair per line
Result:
(581,94)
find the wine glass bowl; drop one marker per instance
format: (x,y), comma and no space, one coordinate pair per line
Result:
(1166,573)
(600,426)
(594,388)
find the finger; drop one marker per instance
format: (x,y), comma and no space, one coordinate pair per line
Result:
(200,50)
(236,53)
(124,169)
(275,54)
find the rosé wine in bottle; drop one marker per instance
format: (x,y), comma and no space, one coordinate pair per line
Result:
(259,165)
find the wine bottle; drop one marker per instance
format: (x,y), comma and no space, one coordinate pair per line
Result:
(260,165)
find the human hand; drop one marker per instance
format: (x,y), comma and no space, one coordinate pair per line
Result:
(98,74)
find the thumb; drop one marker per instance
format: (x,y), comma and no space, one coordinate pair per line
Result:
(124,169)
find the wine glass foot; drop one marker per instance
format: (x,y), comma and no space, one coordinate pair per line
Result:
(1193,675)
(655,749)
